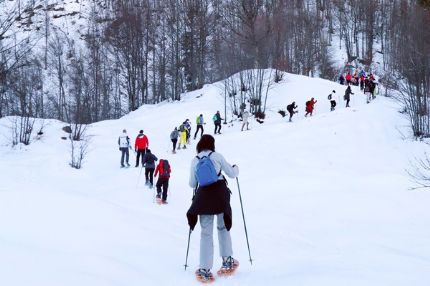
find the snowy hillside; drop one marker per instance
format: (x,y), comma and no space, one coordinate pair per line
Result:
(326,198)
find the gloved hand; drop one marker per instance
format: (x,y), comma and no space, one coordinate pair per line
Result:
(236,168)
(119,148)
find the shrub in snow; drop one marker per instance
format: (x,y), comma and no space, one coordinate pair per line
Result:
(79,143)
(282,112)
(21,130)
(67,129)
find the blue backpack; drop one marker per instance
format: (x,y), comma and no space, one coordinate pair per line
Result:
(205,171)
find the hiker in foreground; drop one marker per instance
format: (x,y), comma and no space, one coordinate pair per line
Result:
(212,198)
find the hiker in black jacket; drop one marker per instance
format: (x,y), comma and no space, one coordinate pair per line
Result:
(290,109)
(347,95)
(149,163)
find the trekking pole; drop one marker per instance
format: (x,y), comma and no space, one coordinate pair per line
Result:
(188,248)
(244,223)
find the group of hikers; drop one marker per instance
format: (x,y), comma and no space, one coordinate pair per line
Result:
(180,138)
(211,195)
(367,85)
(148,160)
(366,82)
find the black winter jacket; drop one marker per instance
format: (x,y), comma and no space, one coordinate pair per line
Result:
(149,160)
(211,200)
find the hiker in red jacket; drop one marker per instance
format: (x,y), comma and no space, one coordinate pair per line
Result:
(348,78)
(140,146)
(163,170)
(310,106)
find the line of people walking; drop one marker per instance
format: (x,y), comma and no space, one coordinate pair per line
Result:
(310,104)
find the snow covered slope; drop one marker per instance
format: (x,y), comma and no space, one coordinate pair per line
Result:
(327,199)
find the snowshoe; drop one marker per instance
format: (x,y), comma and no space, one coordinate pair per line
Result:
(204,276)
(228,267)
(158,199)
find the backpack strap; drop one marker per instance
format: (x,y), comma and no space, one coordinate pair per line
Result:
(219,174)
(210,153)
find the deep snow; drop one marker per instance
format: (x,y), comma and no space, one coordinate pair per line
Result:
(327,199)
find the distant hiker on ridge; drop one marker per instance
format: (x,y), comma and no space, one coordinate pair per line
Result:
(291,109)
(124,145)
(341,79)
(348,78)
(347,95)
(332,100)
(245,117)
(310,106)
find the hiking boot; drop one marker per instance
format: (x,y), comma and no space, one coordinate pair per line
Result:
(204,275)
(158,196)
(229,264)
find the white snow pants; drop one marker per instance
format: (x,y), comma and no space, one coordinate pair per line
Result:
(207,242)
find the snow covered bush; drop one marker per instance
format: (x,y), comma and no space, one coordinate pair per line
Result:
(21,130)
(79,143)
